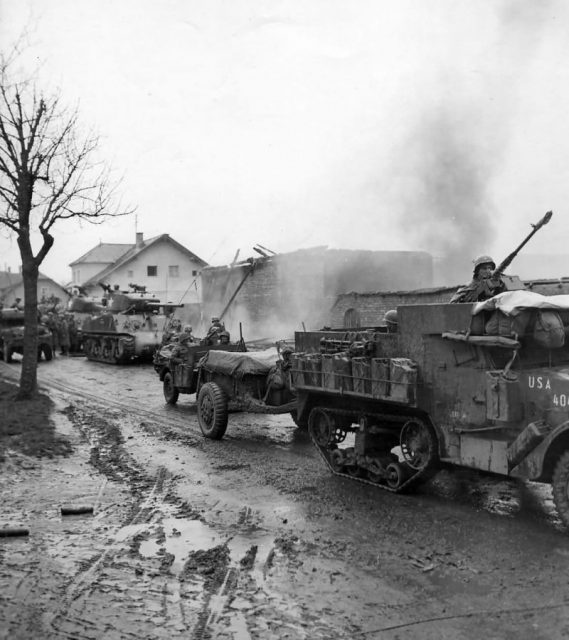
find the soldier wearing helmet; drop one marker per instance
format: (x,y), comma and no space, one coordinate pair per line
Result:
(484,284)
(217,327)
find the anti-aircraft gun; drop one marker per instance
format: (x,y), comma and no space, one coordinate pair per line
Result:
(498,281)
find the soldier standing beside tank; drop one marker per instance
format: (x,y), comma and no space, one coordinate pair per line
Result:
(485,283)
(64,340)
(52,324)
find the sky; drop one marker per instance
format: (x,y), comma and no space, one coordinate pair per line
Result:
(436,126)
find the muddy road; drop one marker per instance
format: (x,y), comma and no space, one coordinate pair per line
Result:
(252,538)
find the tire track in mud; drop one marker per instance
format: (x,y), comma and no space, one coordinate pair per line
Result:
(208,615)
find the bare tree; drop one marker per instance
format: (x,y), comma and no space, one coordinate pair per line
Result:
(48,174)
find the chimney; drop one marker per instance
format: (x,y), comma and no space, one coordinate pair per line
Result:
(139,240)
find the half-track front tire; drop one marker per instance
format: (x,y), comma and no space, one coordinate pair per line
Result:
(560,485)
(171,394)
(212,411)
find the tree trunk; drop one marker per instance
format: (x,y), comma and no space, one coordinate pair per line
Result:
(29,373)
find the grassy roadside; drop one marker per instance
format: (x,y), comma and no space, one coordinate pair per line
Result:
(27,426)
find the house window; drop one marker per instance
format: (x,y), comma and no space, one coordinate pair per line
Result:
(173,271)
(151,270)
(194,273)
(44,292)
(130,273)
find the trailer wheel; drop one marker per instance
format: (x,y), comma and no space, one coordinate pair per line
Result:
(171,394)
(212,411)
(560,485)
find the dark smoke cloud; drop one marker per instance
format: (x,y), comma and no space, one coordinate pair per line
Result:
(455,144)
(445,208)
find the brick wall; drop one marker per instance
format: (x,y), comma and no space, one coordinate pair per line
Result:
(371,307)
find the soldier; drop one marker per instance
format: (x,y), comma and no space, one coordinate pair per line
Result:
(186,336)
(64,338)
(217,327)
(483,285)
(52,323)
(173,329)
(16,304)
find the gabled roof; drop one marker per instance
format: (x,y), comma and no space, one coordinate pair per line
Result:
(104,252)
(10,280)
(135,251)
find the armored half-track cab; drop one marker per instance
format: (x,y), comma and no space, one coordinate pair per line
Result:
(482,385)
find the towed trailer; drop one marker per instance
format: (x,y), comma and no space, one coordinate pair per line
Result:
(256,382)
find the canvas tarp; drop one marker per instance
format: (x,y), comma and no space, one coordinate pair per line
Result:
(239,364)
(512,303)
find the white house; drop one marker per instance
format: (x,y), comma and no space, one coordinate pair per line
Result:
(165,267)
(12,287)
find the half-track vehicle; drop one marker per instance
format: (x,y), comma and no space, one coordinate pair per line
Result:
(482,385)
(12,336)
(130,329)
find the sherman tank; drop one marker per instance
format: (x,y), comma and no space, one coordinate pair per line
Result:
(129,329)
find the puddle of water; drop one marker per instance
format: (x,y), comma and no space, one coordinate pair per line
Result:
(185,536)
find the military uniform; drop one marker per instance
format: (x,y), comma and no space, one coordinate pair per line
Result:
(480,288)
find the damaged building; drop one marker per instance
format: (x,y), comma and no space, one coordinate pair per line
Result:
(274,295)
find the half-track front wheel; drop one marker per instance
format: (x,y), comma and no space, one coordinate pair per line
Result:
(212,411)
(171,394)
(560,484)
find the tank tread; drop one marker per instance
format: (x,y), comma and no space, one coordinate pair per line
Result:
(326,452)
(111,349)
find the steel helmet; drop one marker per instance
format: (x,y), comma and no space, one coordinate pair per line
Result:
(484,260)
(390,316)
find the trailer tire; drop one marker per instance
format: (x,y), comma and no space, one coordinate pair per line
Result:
(560,485)
(171,394)
(212,411)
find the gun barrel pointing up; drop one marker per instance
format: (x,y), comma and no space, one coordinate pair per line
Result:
(535,228)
